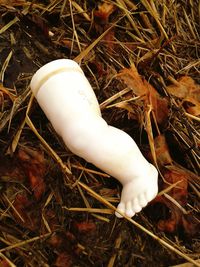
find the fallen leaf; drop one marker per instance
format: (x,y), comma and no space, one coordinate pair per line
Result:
(84,227)
(97,67)
(104,11)
(141,87)
(192,106)
(133,80)
(11,170)
(63,260)
(4,263)
(184,87)
(190,224)
(101,24)
(62,240)
(177,219)
(109,40)
(154,106)
(30,216)
(179,193)
(34,166)
(188,91)
(55,240)
(175,184)
(162,151)
(169,225)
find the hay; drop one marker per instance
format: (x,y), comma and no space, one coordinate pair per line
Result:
(65,217)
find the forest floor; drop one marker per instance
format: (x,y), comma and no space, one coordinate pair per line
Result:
(142,60)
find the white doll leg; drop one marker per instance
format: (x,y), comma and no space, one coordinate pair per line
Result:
(66,97)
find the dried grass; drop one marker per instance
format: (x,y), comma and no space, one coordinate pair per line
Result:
(162,39)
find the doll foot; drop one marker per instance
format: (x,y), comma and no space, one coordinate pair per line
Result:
(137,193)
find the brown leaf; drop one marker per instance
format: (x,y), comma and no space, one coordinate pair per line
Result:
(101,24)
(27,211)
(104,11)
(55,241)
(1,100)
(180,191)
(62,240)
(169,225)
(84,227)
(4,263)
(188,91)
(162,151)
(184,87)
(190,224)
(63,260)
(34,166)
(109,40)
(144,89)
(133,80)
(11,171)
(192,106)
(177,219)
(160,105)
(37,184)
(176,176)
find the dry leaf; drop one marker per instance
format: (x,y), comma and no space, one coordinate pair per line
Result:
(4,263)
(27,211)
(192,106)
(141,87)
(109,40)
(184,87)
(176,180)
(62,240)
(133,80)
(153,104)
(63,260)
(11,171)
(104,11)
(188,91)
(56,240)
(101,19)
(84,227)
(34,166)
(179,193)
(162,151)
(188,222)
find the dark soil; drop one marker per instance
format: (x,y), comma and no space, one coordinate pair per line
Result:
(43,31)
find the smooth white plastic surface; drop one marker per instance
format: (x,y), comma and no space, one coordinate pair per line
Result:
(69,102)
